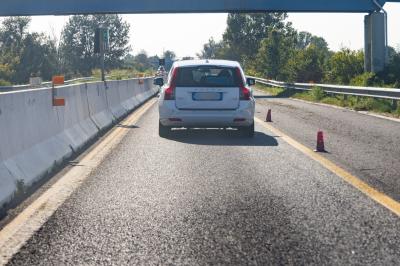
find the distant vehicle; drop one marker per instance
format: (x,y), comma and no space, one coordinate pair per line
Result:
(206,94)
(161,71)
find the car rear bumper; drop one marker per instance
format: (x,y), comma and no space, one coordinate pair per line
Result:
(173,117)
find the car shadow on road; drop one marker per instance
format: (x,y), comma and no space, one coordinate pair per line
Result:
(218,137)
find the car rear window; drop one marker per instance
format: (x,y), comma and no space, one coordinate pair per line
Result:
(208,76)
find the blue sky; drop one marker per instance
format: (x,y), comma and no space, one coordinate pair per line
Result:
(186,33)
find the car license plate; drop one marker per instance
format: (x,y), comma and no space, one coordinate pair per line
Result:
(207,96)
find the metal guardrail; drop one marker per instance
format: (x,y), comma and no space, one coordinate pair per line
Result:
(42,85)
(373,92)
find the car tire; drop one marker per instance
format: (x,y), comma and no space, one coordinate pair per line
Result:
(163,131)
(248,131)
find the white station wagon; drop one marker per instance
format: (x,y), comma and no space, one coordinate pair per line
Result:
(206,94)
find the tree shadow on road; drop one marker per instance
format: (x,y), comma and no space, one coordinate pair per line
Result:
(218,137)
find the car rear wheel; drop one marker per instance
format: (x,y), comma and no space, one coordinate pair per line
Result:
(163,131)
(248,131)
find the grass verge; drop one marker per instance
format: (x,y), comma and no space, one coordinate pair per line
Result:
(119,74)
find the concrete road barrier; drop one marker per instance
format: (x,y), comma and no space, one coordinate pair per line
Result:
(29,139)
(98,105)
(114,99)
(7,185)
(133,89)
(36,137)
(75,119)
(126,93)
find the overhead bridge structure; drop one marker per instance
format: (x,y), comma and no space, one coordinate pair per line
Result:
(375,21)
(69,7)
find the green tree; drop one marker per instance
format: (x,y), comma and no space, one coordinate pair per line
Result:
(77,43)
(274,54)
(307,64)
(13,32)
(303,39)
(344,65)
(391,74)
(245,32)
(129,61)
(142,62)
(211,50)
(24,54)
(42,51)
(154,61)
(169,57)
(8,63)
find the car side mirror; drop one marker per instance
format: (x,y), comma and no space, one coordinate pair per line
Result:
(251,81)
(158,81)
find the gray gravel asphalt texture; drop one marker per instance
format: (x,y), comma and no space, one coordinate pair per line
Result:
(366,146)
(212,197)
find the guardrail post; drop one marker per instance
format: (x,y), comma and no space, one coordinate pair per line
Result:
(394,104)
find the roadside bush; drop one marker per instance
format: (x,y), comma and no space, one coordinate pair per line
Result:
(96,73)
(336,100)
(361,104)
(370,104)
(383,106)
(397,111)
(271,90)
(119,74)
(317,94)
(252,72)
(4,82)
(365,80)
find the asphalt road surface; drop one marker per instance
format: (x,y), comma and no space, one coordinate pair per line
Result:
(212,197)
(366,146)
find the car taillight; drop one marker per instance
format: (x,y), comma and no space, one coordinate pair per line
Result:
(169,92)
(244,91)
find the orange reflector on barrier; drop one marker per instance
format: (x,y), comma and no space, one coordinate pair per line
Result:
(58,80)
(58,102)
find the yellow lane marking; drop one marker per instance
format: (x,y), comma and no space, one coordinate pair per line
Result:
(371,192)
(20,230)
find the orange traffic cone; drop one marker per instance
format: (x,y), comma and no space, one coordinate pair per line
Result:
(269,116)
(320,142)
